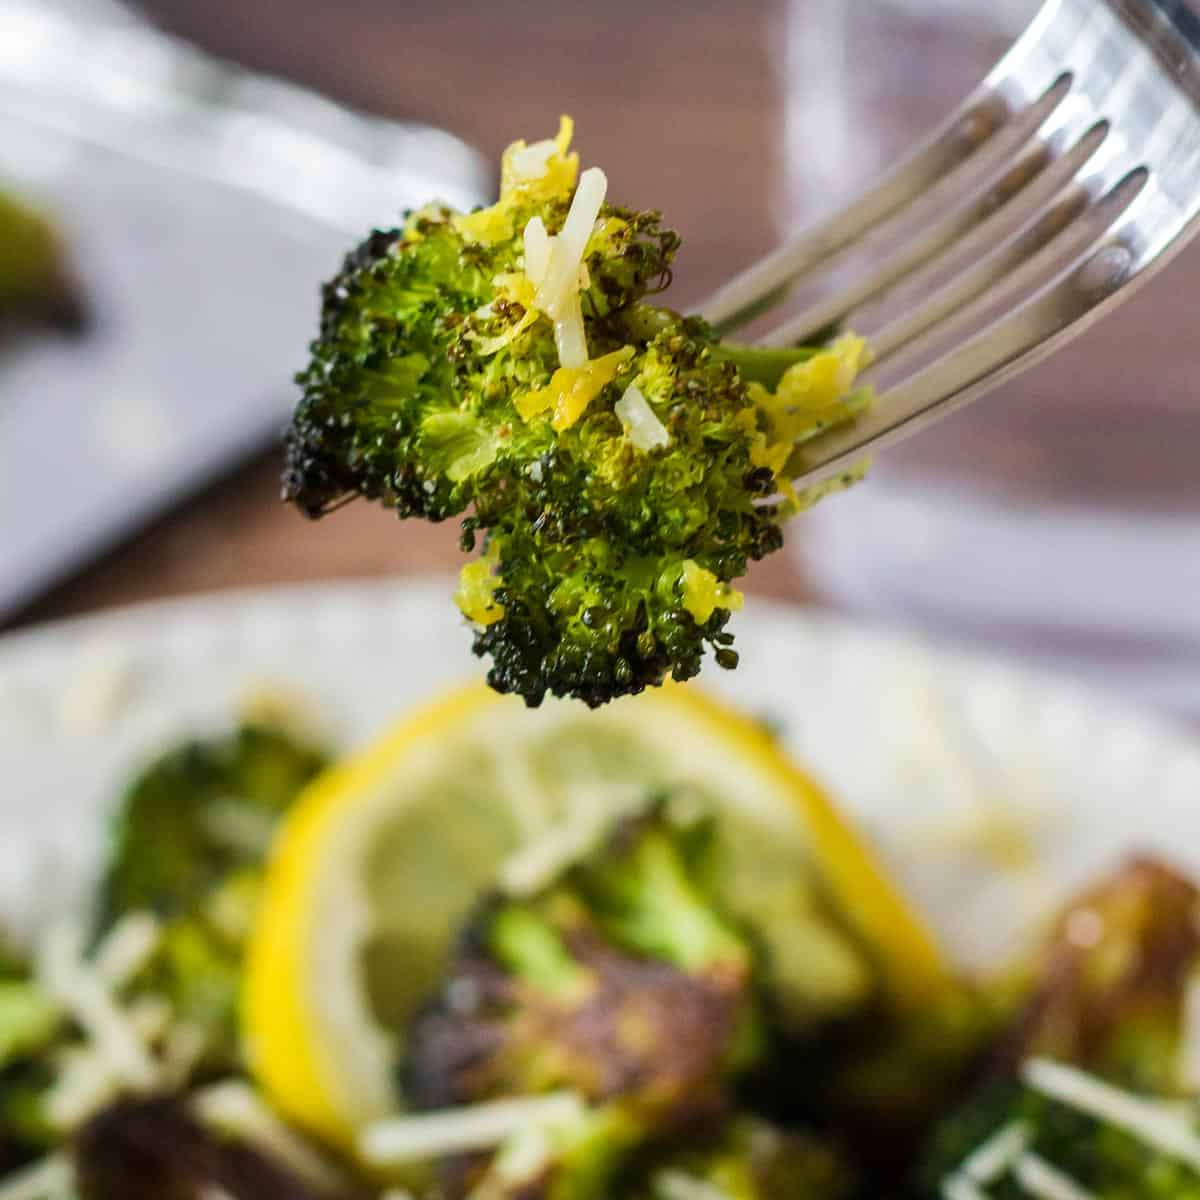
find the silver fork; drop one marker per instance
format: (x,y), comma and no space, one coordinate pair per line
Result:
(1066,179)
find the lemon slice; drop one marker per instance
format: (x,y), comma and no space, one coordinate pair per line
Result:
(384,856)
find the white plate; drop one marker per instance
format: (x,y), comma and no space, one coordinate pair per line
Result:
(989,791)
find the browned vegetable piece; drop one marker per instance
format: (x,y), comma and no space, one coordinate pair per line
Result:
(153,1148)
(1107,988)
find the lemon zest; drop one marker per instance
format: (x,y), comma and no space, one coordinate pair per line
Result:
(704,593)
(808,396)
(559,169)
(572,389)
(476,593)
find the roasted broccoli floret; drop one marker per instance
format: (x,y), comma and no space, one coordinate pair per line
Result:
(197,815)
(1103,1018)
(746,1159)
(155,1148)
(619,464)
(188,844)
(34,281)
(621,982)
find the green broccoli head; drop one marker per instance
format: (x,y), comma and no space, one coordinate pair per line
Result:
(200,812)
(188,844)
(1026,1134)
(1105,995)
(619,981)
(617,466)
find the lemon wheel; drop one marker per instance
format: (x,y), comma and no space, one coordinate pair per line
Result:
(384,856)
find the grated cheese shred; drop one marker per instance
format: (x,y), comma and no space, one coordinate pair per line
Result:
(959,1187)
(537,250)
(642,426)
(570,339)
(566,254)
(988,1162)
(1151,1122)
(679,1185)
(127,948)
(406,1139)
(1045,1182)
(50,1177)
(87,997)
(235,1109)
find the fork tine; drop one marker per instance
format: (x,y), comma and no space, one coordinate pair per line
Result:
(1071,202)
(1118,201)
(1067,304)
(995,107)
(978,120)
(1058,236)
(994,195)
(1085,173)
(1034,177)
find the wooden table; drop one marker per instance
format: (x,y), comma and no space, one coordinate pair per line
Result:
(666,95)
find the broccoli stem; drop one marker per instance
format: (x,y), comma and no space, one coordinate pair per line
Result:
(530,948)
(763,364)
(647,901)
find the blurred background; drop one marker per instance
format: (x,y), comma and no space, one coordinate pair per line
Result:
(1060,520)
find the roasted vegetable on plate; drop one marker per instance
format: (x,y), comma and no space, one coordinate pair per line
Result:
(616,465)
(510,956)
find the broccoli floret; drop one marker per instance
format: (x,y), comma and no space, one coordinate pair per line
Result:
(1106,994)
(196,815)
(619,981)
(617,465)
(34,281)
(746,1159)
(188,845)
(155,1148)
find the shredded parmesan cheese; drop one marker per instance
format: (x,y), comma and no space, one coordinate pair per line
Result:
(959,1187)
(234,1109)
(989,1161)
(570,337)
(86,996)
(678,1185)
(532,162)
(641,423)
(127,948)
(549,852)
(84,1083)
(537,250)
(566,255)
(1147,1120)
(455,1131)
(49,1177)
(1045,1182)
